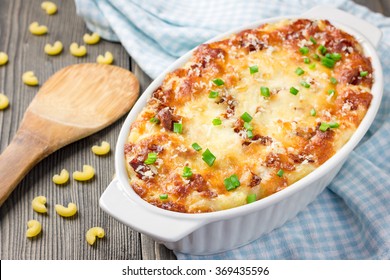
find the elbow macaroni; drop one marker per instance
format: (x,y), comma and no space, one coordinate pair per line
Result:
(49,7)
(38,204)
(4,101)
(87,173)
(108,58)
(61,178)
(30,79)
(92,233)
(77,50)
(66,211)
(37,29)
(3,58)
(92,39)
(103,149)
(34,228)
(54,49)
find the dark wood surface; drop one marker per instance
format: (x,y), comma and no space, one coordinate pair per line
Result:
(64,238)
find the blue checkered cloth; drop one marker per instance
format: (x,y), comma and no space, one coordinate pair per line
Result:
(351,218)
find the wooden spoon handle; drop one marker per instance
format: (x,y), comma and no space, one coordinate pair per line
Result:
(25,151)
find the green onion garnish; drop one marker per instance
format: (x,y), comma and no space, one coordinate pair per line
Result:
(304,50)
(253,69)
(213,94)
(154,120)
(217,121)
(248,126)
(231,182)
(306,60)
(315,56)
(313,112)
(363,73)
(246,117)
(208,157)
(331,91)
(177,128)
(163,196)
(196,146)
(218,82)
(305,84)
(322,49)
(280,173)
(265,92)
(186,172)
(251,198)
(299,71)
(324,126)
(333,80)
(249,133)
(313,40)
(334,125)
(312,66)
(152,157)
(293,90)
(335,56)
(327,62)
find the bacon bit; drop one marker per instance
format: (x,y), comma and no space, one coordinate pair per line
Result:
(262,140)
(129,148)
(256,180)
(167,118)
(231,105)
(279,161)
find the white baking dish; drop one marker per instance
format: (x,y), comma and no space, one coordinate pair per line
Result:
(204,233)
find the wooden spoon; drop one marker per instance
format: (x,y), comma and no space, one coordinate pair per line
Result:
(75,102)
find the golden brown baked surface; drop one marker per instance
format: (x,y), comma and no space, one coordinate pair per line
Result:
(265,106)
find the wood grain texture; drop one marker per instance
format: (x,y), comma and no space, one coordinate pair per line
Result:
(65,238)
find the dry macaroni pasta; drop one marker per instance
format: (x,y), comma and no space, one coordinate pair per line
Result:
(54,49)
(34,228)
(108,58)
(103,149)
(92,39)
(87,173)
(92,233)
(30,79)
(61,178)
(66,211)
(49,7)
(37,29)
(77,50)
(4,101)
(3,58)
(38,204)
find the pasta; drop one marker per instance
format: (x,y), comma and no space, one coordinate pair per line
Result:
(54,49)
(34,228)
(92,233)
(87,173)
(66,211)
(3,58)
(4,101)
(30,79)
(38,204)
(77,50)
(108,58)
(92,39)
(49,7)
(61,178)
(103,149)
(37,29)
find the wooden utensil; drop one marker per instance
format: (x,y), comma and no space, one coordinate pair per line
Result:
(75,102)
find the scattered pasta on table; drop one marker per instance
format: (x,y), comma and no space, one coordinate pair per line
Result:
(34,228)
(49,7)
(54,49)
(92,233)
(63,211)
(38,204)
(77,50)
(103,149)
(37,29)
(30,79)
(61,178)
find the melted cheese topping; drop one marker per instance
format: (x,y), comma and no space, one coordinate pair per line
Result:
(288,136)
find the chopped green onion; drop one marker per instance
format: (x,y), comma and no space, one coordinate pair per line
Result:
(280,173)
(328,55)
(306,60)
(313,112)
(152,157)
(315,56)
(363,73)
(248,126)
(334,125)
(313,40)
(177,128)
(305,84)
(218,82)
(327,62)
(312,66)
(333,80)
(217,121)
(154,120)
(249,133)
(304,50)
(196,146)
(186,172)
(265,92)
(231,182)
(251,198)
(322,49)
(299,71)
(293,90)
(163,196)
(208,157)
(253,69)
(324,126)
(331,91)
(213,94)
(335,56)
(246,117)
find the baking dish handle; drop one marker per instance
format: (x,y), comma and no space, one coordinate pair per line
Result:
(369,31)
(117,203)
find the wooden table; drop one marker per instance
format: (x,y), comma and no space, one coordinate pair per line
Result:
(64,238)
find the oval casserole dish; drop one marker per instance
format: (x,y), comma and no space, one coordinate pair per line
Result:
(202,233)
